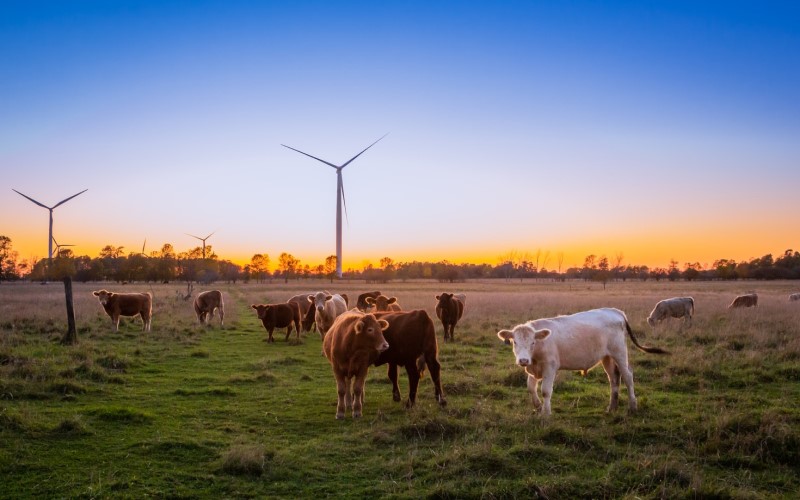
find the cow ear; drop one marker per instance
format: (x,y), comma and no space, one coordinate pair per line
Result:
(254,306)
(96,294)
(437,297)
(541,334)
(359,327)
(310,298)
(450,295)
(392,300)
(505,335)
(384,324)
(329,297)
(370,300)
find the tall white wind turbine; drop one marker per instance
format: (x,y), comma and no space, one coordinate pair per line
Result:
(199,238)
(339,198)
(50,239)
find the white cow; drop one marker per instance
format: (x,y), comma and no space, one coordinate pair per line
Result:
(794,296)
(579,341)
(677,307)
(327,308)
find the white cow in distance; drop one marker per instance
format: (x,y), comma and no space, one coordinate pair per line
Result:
(676,307)
(579,341)
(327,307)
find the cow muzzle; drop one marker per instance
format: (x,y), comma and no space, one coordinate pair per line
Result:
(523,362)
(319,308)
(382,347)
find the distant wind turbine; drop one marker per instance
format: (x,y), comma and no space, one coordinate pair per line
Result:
(58,247)
(50,239)
(199,238)
(339,198)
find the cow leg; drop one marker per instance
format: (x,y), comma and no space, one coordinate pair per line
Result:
(547,389)
(146,323)
(452,331)
(115,322)
(392,373)
(613,380)
(436,371)
(533,388)
(343,395)
(288,332)
(270,339)
(358,392)
(221,316)
(627,377)
(413,383)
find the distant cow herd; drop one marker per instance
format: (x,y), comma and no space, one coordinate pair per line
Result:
(378,331)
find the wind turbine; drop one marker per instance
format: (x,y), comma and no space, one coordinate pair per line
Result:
(58,247)
(50,240)
(201,239)
(339,198)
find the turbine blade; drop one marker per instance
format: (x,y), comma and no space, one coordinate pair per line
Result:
(193,236)
(26,196)
(359,154)
(344,201)
(209,236)
(54,241)
(143,244)
(310,156)
(73,196)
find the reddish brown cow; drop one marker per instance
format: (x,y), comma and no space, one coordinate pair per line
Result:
(449,310)
(382,303)
(206,303)
(362,304)
(304,305)
(309,320)
(412,344)
(747,300)
(279,316)
(126,304)
(352,343)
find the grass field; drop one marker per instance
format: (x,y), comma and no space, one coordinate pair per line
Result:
(188,411)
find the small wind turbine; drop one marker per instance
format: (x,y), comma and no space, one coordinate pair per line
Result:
(50,240)
(339,198)
(58,247)
(199,238)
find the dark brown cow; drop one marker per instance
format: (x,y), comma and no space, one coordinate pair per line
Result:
(309,320)
(126,304)
(279,316)
(449,310)
(205,304)
(353,343)
(412,344)
(747,300)
(382,303)
(362,304)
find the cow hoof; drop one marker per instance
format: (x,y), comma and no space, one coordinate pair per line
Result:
(409,404)
(356,415)
(442,402)
(396,397)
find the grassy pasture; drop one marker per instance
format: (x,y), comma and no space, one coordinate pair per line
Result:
(189,411)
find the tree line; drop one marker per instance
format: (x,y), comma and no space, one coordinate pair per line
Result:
(165,265)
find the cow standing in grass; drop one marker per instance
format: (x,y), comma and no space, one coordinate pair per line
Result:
(382,303)
(361,302)
(327,307)
(449,309)
(579,341)
(352,344)
(746,300)
(677,307)
(279,316)
(206,303)
(306,311)
(126,304)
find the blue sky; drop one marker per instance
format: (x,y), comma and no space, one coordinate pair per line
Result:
(657,129)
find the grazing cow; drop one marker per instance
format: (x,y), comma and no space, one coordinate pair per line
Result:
(412,344)
(382,303)
(305,306)
(746,300)
(204,305)
(327,307)
(353,342)
(361,302)
(576,342)
(678,307)
(449,310)
(793,297)
(126,304)
(279,316)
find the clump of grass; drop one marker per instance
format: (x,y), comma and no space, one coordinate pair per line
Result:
(71,426)
(112,361)
(67,387)
(436,429)
(121,414)
(245,460)
(213,391)
(200,353)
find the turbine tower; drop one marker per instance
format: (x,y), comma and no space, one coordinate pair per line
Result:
(199,238)
(339,198)
(50,240)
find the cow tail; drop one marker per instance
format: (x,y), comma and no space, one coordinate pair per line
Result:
(652,350)
(421,365)
(692,305)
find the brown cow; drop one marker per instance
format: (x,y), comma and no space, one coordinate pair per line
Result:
(382,303)
(353,342)
(449,310)
(126,304)
(302,302)
(362,304)
(746,300)
(279,316)
(412,344)
(204,305)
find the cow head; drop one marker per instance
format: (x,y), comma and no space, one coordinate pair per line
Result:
(261,310)
(444,300)
(319,299)
(381,303)
(651,321)
(372,329)
(103,295)
(523,338)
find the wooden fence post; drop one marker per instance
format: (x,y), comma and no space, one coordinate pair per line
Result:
(71,337)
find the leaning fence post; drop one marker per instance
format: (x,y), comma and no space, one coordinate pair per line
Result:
(71,337)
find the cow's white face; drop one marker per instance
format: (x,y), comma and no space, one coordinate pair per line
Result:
(103,296)
(523,338)
(319,300)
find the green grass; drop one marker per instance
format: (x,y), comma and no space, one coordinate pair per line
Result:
(191,411)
